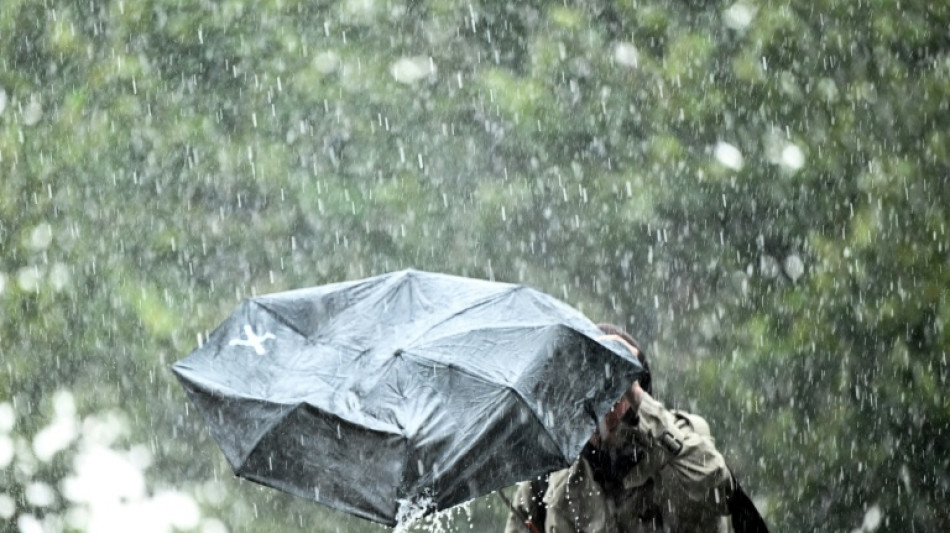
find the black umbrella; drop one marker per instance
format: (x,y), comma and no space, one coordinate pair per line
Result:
(407,391)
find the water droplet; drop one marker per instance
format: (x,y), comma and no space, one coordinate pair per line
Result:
(33,112)
(627,55)
(409,70)
(872,519)
(793,157)
(728,155)
(41,237)
(738,16)
(794,267)
(29,278)
(326,62)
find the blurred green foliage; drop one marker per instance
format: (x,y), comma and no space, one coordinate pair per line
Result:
(162,159)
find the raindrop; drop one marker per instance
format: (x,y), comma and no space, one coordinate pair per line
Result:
(728,155)
(768,266)
(627,55)
(738,16)
(7,507)
(41,237)
(793,157)
(28,523)
(409,70)
(828,89)
(794,267)
(326,62)
(360,10)
(213,525)
(33,112)
(7,417)
(740,282)
(6,451)
(872,519)
(59,277)
(29,278)
(39,494)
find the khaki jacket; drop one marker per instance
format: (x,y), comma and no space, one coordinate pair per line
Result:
(680,484)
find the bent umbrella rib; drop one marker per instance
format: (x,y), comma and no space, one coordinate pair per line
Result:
(475,305)
(279,317)
(263,435)
(537,417)
(419,358)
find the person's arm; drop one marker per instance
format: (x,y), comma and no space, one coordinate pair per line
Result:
(679,447)
(558,520)
(575,502)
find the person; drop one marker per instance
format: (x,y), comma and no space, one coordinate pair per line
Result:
(645,469)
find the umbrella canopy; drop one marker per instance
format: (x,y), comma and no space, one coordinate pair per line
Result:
(403,391)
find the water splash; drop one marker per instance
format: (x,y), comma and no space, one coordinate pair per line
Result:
(451,520)
(412,510)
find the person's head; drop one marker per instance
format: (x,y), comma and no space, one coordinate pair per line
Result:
(646,383)
(604,434)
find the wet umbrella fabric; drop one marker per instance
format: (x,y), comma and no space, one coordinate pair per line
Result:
(405,391)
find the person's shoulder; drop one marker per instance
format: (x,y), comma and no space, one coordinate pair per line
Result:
(691,422)
(558,484)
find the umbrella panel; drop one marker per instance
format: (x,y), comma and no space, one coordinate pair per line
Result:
(321,457)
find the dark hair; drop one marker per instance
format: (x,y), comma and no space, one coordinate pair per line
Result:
(646,382)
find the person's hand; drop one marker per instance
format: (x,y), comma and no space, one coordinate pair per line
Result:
(634,395)
(630,400)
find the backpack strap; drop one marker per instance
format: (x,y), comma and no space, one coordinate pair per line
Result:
(745,517)
(526,519)
(539,486)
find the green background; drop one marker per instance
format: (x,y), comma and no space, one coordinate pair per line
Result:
(758,191)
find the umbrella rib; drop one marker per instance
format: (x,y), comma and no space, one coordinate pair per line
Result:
(477,377)
(537,417)
(280,318)
(433,340)
(274,423)
(509,389)
(421,358)
(283,320)
(484,301)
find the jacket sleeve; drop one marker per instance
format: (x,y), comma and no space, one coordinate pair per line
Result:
(679,448)
(527,503)
(558,519)
(575,502)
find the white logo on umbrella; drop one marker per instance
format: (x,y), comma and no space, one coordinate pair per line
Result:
(253,340)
